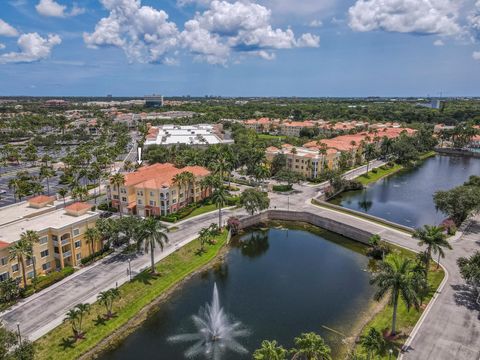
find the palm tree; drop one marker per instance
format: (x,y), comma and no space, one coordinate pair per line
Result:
(118,180)
(82,310)
(72,316)
(270,350)
(188,179)
(370,153)
(151,232)
(204,235)
(107,299)
(311,346)
(92,235)
(47,172)
(31,238)
(372,342)
(396,276)
(20,251)
(219,197)
(14,185)
(434,239)
(63,192)
(79,193)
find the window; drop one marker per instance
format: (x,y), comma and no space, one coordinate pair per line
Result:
(151,193)
(28,262)
(140,193)
(139,202)
(115,197)
(4,260)
(174,201)
(4,276)
(44,253)
(124,199)
(15,267)
(174,192)
(30,275)
(46,266)
(76,232)
(79,257)
(122,190)
(78,244)
(153,203)
(43,240)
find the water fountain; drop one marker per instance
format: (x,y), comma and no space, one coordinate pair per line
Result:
(216,332)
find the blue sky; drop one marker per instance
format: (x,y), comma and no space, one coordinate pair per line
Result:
(239,48)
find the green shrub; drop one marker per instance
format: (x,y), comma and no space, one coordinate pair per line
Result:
(374,171)
(97,255)
(50,279)
(233,200)
(282,188)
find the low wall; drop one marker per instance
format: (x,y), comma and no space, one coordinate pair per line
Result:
(457,152)
(364,215)
(310,218)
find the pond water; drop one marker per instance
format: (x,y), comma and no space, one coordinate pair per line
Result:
(407,196)
(278,282)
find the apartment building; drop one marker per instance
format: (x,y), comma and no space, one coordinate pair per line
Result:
(61,232)
(310,163)
(152,190)
(262,125)
(193,135)
(293,128)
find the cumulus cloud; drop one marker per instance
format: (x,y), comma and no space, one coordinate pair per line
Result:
(54,9)
(242,27)
(214,35)
(7,30)
(316,23)
(32,47)
(299,8)
(438,42)
(476,55)
(144,33)
(416,16)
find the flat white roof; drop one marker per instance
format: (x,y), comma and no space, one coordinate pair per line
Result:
(202,134)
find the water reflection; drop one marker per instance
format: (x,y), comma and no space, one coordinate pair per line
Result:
(254,244)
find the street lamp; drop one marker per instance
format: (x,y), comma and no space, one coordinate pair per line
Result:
(130,269)
(288,203)
(19,334)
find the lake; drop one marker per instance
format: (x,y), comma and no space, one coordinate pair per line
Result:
(407,196)
(278,282)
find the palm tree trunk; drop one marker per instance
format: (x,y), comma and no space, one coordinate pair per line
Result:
(64,201)
(34,271)
(48,185)
(24,275)
(394,317)
(152,256)
(220,216)
(438,262)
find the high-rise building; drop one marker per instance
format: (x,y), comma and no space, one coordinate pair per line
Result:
(153,101)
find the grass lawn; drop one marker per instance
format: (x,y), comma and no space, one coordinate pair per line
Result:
(144,289)
(381,172)
(271,137)
(201,210)
(406,319)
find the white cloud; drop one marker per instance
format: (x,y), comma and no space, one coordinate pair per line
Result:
(32,48)
(144,33)
(438,42)
(2,46)
(54,9)
(7,30)
(417,16)
(476,55)
(242,27)
(316,23)
(214,35)
(299,8)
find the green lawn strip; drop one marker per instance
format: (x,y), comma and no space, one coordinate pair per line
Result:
(135,295)
(406,319)
(201,210)
(381,173)
(271,137)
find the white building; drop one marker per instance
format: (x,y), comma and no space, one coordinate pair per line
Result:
(193,135)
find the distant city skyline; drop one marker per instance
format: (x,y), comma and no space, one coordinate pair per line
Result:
(346,48)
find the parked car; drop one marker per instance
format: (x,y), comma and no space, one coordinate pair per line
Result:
(106,214)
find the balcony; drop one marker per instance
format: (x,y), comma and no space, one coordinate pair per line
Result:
(66,255)
(64,242)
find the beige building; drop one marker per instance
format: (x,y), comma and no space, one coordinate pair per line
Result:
(61,232)
(309,163)
(152,190)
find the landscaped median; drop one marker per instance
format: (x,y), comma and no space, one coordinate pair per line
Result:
(132,306)
(406,318)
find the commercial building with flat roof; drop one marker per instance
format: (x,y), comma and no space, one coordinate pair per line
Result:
(192,135)
(61,232)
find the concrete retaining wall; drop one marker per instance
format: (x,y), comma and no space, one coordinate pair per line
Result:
(310,218)
(457,152)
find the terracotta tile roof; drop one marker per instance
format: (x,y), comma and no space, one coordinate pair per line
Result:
(40,199)
(78,206)
(3,244)
(158,176)
(271,149)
